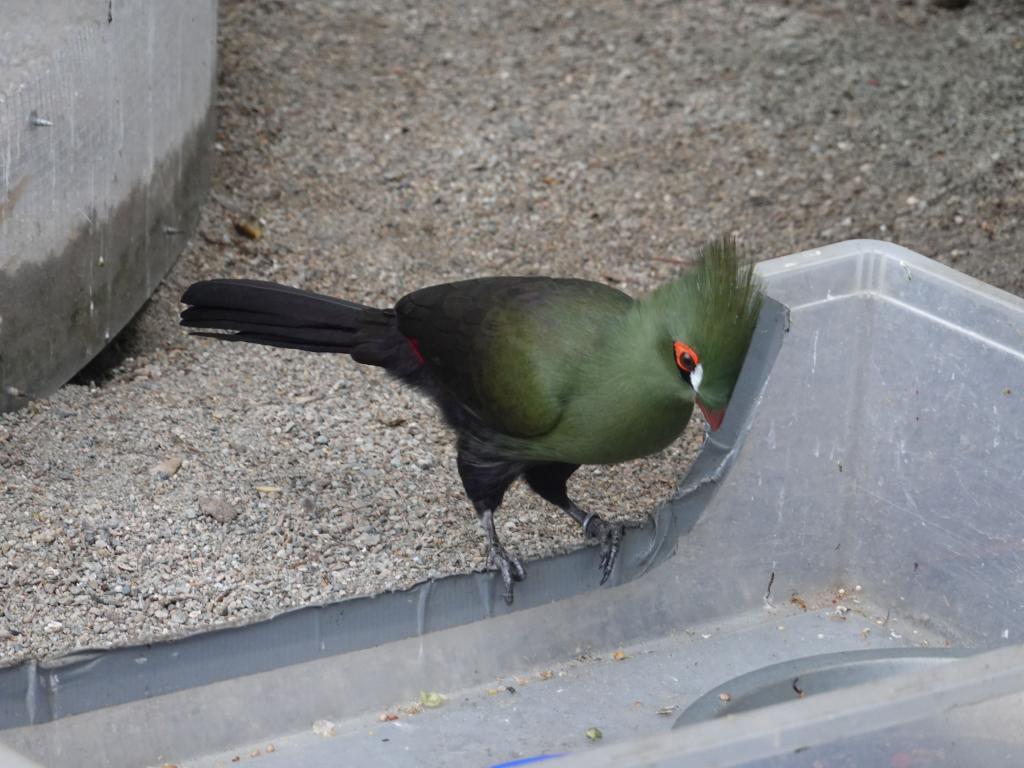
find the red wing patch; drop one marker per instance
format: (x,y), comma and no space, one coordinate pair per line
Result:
(414,345)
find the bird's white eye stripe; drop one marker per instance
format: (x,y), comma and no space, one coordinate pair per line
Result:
(696,376)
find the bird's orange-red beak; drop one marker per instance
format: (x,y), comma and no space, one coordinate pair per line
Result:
(714,417)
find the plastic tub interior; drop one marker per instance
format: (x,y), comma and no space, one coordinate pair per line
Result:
(864,493)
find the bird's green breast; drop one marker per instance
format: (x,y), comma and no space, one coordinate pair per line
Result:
(623,400)
(627,403)
(596,432)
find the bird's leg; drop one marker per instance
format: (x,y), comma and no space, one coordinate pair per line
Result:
(511,567)
(549,482)
(609,534)
(486,481)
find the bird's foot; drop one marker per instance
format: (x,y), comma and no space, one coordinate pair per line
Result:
(610,535)
(510,566)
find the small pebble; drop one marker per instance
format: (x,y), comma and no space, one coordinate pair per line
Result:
(166,468)
(47,536)
(593,734)
(368,540)
(218,509)
(249,228)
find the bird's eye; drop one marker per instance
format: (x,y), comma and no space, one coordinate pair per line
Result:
(686,357)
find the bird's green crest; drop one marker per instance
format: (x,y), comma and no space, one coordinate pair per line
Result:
(713,308)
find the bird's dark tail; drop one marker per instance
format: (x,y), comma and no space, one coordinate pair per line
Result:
(280,316)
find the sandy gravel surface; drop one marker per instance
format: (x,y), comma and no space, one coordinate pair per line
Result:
(387,146)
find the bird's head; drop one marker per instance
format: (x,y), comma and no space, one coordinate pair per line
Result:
(710,314)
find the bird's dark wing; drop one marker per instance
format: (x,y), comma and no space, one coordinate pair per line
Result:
(506,348)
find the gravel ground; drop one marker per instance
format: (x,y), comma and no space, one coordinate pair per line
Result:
(388,146)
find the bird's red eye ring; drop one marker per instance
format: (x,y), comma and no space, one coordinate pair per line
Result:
(686,357)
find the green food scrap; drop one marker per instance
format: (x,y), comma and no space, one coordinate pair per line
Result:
(431,700)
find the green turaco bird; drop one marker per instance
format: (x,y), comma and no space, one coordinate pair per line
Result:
(536,375)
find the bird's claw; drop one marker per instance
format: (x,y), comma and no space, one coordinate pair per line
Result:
(610,535)
(510,567)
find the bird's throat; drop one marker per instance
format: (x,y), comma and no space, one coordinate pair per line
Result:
(713,417)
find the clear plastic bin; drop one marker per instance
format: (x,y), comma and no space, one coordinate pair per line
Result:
(864,492)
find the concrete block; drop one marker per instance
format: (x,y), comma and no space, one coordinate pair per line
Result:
(106,120)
